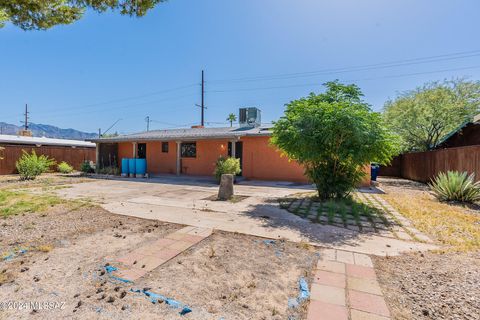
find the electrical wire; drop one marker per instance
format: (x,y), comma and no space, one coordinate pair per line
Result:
(384,65)
(352,80)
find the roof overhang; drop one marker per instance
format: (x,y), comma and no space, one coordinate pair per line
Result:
(173,138)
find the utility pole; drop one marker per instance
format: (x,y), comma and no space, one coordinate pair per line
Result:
(147,119)
(26,117)
(99,133)
(203,99)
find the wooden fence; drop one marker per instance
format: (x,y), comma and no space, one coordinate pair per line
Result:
(73,156)
(423,166)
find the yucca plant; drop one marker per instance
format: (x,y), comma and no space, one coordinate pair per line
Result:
(456,186)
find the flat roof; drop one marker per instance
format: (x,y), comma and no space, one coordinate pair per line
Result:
(10,139)
(190,134)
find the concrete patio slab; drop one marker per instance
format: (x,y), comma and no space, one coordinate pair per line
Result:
(184,202)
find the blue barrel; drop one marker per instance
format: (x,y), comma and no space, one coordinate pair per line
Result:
(124,166)
(141,166)
(131,166)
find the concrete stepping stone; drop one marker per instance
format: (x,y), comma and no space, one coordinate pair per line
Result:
(139,262)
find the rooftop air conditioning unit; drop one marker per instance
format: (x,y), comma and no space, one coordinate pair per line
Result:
(250,117)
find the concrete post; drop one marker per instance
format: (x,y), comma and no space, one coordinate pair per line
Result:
(178,157)
(225,192)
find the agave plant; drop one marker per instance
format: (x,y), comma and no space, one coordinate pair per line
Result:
(456,186)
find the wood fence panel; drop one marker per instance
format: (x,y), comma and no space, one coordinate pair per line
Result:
(423,166)
(73,156)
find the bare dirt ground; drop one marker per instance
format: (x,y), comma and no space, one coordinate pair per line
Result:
(228,275)
(432,285)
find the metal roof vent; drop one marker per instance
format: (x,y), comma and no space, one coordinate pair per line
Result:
(250,117)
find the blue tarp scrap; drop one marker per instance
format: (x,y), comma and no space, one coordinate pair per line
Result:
(304,292)
(269,242)
(154,298)
(14,253)
(109,269)
(303,295)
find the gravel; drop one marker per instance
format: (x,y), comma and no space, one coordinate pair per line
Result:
(431,285)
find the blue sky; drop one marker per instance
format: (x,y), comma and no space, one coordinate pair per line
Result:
(255,53)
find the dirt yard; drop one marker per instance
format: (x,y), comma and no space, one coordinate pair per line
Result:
(55,254)
(433,285)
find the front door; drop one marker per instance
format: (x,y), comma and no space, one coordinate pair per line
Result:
(142,151)
(238,152)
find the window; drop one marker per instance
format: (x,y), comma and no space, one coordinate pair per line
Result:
(165,147)
(188,150)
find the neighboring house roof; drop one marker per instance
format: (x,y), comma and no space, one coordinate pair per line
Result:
(190,134)
(452,133)
(42,141)
(467,133)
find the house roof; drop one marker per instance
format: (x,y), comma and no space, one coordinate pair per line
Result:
(9,139)
(190,134)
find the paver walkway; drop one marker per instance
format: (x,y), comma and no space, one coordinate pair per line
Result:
(139,262)
(345,287)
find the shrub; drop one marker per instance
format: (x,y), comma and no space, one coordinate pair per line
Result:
(30,166)
(334,135)
(64,167)
(456,186)
(86,167)
(226,166)
(109,170)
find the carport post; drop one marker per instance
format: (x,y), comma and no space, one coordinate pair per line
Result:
(134,155)
(97,155)
(178,157)
(233,148)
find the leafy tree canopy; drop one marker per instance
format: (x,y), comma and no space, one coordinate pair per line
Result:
(334,135)
(44,14)
(422,117)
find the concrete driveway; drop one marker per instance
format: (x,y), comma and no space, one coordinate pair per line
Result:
(188,201)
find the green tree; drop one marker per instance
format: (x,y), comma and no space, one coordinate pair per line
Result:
(422,117)
(44,14)
(232,118)
(334,135)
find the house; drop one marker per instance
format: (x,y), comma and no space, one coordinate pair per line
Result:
(194,151)
(74,152)
(467,134)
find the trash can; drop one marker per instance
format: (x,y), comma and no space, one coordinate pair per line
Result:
(124,167)
(131,168)
(375,168)
(140,168)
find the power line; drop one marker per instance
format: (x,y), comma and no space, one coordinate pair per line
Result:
(120,99)
(126,106)
(397,63)
(352,80)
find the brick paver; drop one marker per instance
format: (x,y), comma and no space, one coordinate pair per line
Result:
(328,294)
(330,279)
(345,287)
(368,302)
(140,261)
(324,311)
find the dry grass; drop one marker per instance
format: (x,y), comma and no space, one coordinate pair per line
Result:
(454,226)
(45,248)
(14,201)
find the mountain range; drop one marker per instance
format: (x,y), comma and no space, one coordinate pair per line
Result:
(45,130)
